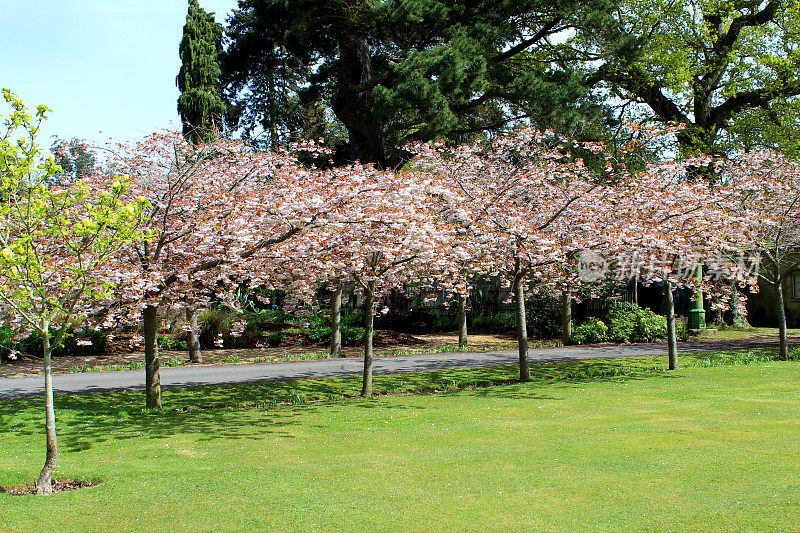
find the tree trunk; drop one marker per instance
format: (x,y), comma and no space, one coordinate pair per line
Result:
(566,318)
(193,340)
(151,362)
(462,321)
(672,340)
(783,344)
(44,483)
(369,320)
(522,329)
(352,100)
(336,323)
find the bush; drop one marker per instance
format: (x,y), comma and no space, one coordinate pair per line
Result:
(352,335)
(6,341)
(320,334)
(630,323)
(74,342)
(168,342)
(542,318)
(212,323)
(274,339)
(590,332)
(681,329)
(445,323)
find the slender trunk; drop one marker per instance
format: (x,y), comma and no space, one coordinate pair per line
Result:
(369,319)
(783,345)
(193,340)
(566,317)
(44,483)
(336,323)
(522,329)
(672,340)
(462,321)
(151,362)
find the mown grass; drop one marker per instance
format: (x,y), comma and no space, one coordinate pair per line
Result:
(597,445)
(740,333)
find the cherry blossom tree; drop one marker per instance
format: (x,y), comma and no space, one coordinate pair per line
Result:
(530,203)
(214,207)
(59,245)
(764,199)
(386,238)
(677,231)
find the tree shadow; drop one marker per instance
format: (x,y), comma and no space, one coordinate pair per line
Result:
(215,412)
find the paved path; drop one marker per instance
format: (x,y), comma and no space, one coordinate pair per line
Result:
(192,376)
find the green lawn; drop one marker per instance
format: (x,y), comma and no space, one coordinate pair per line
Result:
(732,333)
(605,445)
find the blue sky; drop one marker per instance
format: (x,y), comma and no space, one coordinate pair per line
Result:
(105,67)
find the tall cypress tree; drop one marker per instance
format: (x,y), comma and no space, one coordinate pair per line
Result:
(200,104)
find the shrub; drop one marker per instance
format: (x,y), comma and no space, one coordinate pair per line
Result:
(7,342)
(212,323)
(320,334)
(630,323)
(352,335)
(169,342)
(649,326)
(81,342)
(681,329)
(590,332)
(445,323)
(274,339)
(352,320)
(504,322)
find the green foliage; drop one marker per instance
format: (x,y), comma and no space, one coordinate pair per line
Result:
(445,323)
(630,323)
(55,242)
(351,335)
(681,329)
(590,332)
(543,315)
(200,105)
(274,339)
(7,341)
(73,342)
(74,157)
(320,334)
(737,61)
(391,73)
(212,323)
(169,342)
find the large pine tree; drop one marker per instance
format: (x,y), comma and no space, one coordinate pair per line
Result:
(200,104)
(391,71)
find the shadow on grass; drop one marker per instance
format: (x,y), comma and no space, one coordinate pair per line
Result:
(217,412)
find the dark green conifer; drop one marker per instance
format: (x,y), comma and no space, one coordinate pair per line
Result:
(200,103)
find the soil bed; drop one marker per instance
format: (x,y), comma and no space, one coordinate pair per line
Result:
(59,485)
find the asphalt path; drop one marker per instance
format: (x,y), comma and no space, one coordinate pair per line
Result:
(198,375)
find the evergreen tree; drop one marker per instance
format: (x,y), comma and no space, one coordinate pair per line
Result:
(394,71)
(200,103)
